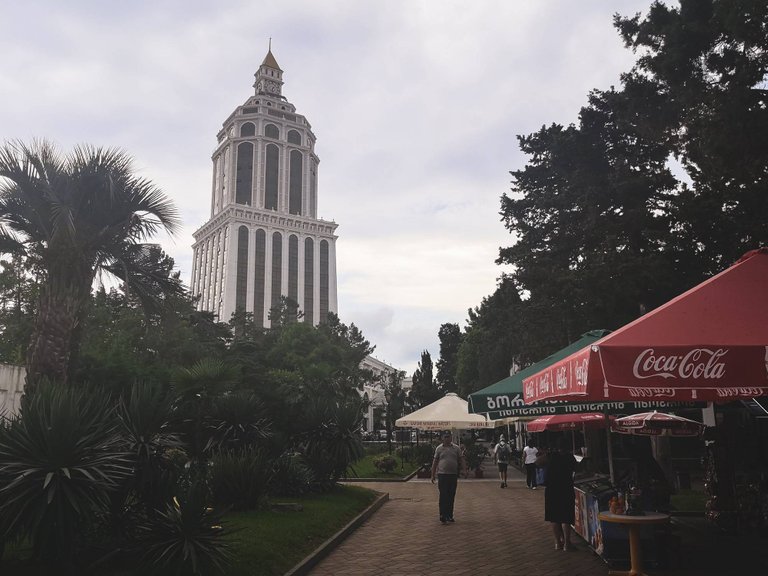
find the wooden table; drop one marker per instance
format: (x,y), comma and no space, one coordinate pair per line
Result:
(633,523)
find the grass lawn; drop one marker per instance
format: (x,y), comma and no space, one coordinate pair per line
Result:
(271,543)
(689,501)
(364,468)
(265,543)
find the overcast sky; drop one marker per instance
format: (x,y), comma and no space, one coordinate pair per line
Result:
(416,106)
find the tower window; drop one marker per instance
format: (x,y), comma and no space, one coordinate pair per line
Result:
(293,268)
(277,268)
(244,176)
(271,170)
(309,280)
(271,131)
(324,281)
(248,129)
(241,281)
(259,277)
(295,182)
(294,137)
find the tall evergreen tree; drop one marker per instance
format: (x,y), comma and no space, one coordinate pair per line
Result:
(706,63)
(450,339)
(494,339)
(424,390)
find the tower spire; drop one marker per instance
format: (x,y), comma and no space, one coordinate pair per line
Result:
(269,78)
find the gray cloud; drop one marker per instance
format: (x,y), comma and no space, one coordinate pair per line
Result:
(415,104)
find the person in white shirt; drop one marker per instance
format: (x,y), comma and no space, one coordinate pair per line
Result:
(501,454)
(531,453)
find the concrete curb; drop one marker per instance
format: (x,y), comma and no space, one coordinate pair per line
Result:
(404,479)
(303,567)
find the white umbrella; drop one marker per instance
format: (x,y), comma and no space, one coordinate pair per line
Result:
(449,412)
(657,424)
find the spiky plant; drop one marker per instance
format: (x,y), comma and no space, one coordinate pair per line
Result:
(59,461)
(185,538)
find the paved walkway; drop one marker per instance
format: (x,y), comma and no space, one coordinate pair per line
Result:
(497,532)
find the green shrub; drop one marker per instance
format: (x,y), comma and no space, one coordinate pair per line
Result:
(60,460)
(375,448)
(405,453)
(290,476)
(423,453)
(239,478)
(385,463)
(185,538)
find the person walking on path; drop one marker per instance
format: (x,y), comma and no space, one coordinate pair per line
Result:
(501,454)
(446,465)
(531,453)
(559,499)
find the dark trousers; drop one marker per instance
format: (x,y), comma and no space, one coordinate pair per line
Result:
(530,475)
(446,483)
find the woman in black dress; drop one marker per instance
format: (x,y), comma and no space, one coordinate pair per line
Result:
(559,499)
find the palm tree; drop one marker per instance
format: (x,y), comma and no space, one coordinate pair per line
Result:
(77,216)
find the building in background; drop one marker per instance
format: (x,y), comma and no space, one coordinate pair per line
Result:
(373,392)
(264,239)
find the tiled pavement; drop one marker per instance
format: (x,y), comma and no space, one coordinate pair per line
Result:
(499,532)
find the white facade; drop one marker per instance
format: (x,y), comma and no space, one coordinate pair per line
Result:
(373,391)
(264,239)
(12,380)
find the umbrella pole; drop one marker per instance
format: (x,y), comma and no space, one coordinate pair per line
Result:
(610,449)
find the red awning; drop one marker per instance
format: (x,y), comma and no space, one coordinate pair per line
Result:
(710,343)
(568,422)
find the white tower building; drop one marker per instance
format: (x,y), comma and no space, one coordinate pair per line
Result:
(264,239)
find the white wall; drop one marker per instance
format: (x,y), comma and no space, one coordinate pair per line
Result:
(11,387)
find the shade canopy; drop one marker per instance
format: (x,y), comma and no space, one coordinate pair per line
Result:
(449,412)
(505,398)
(710,343)
(657,424)
(568,422)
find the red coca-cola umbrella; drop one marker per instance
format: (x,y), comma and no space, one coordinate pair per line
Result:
(559,422)
(657,424)
(710,343)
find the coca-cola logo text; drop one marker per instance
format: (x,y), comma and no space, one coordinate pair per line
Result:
(699,363)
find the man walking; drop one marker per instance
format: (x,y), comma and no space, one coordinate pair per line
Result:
(446,465)
(501,454)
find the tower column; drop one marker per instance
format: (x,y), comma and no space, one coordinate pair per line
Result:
(230,274)
(300,281)
(250,284)
(268,278)
(316,283)
(333,303)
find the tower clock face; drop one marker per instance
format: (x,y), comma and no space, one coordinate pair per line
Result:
(272,87)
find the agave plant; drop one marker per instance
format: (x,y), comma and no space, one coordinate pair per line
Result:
(185,538)
(334,442)
(145,427)
(59,461)
(290,476)
(237,421)
(239,479)
(196,388)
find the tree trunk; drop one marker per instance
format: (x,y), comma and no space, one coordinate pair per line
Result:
(61,304)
